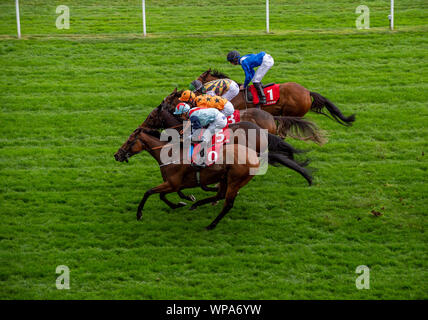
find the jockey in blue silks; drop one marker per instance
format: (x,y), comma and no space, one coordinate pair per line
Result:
(262,60)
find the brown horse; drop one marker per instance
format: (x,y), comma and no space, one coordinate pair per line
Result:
(295,100)
(177,176)
(295,127)
(280,152)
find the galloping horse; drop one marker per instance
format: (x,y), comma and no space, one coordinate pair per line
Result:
(294,100)
(295,127)
(231,177)
(280,152)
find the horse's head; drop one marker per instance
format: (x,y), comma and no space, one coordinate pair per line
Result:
(203,77)
(135,144)
(160,119)
(171,101)
(154,120)
(211,75)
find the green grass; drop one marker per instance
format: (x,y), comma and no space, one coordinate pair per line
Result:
(70,98)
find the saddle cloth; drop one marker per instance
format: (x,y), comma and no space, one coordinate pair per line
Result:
(234,118)
(211,156)
(271,91)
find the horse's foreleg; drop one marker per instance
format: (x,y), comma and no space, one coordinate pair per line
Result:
(210,189)
(170,204)
(164,187)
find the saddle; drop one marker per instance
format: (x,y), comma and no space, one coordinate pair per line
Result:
(271,91)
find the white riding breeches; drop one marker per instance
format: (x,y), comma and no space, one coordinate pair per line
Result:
(228,109)
(267,63)
(219,123)
(232,92)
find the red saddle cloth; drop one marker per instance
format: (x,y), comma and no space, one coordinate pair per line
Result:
(234,118)
(212,155)
(271,93)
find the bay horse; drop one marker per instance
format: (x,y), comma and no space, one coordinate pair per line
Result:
(295,127)
(280,152)
(230,177)
(295,100)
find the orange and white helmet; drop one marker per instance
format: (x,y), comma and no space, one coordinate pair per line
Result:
(187,96)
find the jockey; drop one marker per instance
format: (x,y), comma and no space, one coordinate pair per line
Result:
(225,88)
(207,101)
(209,118)
(262,60)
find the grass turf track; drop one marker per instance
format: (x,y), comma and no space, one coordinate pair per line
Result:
(70,98)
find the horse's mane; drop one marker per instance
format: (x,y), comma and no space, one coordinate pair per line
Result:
(219,74)
(151,132)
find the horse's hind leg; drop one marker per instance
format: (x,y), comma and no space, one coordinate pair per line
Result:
(231,193)
(228,204)
(183,196)
(172,205)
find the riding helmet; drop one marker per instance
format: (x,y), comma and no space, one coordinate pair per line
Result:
(233,55)
(187,95)
(182,108)
(196,85)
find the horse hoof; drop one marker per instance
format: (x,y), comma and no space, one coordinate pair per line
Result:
(214,203)
(139,216)
(193,207)
(181,204)
(210,227)
(192,198)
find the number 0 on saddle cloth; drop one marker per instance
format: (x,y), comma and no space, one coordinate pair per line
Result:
(212,155)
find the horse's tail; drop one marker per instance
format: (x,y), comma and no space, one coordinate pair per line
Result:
(276,144)
(276,159)
(320,102)
(300,128)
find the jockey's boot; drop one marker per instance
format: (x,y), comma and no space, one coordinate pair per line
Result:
(261,94)
(202,164)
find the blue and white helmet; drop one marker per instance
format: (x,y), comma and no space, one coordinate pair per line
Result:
(181,108)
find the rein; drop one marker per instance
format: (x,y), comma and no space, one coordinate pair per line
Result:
(165,145)
(176,126)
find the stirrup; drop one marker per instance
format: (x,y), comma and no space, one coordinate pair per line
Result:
(198,166)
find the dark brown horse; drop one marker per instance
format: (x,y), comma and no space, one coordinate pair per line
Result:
(295,127)
(295,100)
(177,176)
